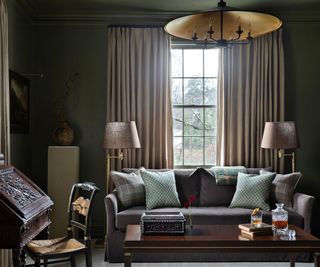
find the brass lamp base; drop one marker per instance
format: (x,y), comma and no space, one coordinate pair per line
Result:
(282,154)
(108,158)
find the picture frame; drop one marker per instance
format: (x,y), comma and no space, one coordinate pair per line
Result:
(19,103)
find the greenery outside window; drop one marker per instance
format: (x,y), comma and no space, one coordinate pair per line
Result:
(194,99)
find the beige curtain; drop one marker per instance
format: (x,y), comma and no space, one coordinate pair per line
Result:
(138,89)
(250,92)
(5,255)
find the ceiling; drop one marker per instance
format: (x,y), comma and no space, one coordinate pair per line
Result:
(42,9)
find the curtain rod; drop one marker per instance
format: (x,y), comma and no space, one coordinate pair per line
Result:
(135,26)
(40,75)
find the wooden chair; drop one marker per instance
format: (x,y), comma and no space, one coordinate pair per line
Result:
(79,224)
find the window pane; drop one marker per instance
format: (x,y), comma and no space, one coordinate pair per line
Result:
(176,62)
(211,62)
(193,122)
(178,150)
(193,91)
(177,121)
(193,63)
(193,151)
(176,91)
(210,91)
(210,150)
(210,117)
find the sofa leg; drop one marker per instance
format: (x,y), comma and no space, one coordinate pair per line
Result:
(106,249)
(292,261)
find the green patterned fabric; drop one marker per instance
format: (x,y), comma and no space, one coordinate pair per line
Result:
(227,175)
(160,189)
(253,191)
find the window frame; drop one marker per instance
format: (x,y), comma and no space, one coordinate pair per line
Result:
(187,46)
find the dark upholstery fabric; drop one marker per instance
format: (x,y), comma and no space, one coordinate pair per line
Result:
(188,183)
(203,215)
(212,194)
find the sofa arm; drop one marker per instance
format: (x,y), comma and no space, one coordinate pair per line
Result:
(111,204)
(303,204)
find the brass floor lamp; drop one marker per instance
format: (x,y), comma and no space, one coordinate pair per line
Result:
(281,135)
(119,135)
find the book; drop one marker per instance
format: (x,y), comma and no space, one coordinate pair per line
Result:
(249,228)
(253,234)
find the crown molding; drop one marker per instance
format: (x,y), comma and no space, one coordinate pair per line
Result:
(27,7)
(108,18)
(103,17)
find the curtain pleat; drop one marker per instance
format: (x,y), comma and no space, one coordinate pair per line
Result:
(250,92)
(138,89)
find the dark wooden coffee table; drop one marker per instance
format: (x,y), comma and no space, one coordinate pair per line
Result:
(217,238)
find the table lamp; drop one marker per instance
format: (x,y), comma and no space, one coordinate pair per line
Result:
(119,135)
(281,135)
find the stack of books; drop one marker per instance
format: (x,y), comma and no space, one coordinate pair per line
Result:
(249,231)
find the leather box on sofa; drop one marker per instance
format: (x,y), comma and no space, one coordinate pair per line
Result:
(211,207)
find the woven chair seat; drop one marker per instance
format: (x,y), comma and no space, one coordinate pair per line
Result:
(55,246)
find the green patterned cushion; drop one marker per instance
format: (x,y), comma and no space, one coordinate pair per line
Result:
(252,191)
(227,175)
(161,189)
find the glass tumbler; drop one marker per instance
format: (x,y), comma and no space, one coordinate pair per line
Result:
(256,218)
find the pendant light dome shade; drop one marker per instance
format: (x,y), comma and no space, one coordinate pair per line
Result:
(222,25)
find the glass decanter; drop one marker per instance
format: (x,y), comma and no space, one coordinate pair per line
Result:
(279,220)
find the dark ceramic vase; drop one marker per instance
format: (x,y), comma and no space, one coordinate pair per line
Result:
(63,135)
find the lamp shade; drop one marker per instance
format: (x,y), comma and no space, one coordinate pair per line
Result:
(121,135)
(280,135)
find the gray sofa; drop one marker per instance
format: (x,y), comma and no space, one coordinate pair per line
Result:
(210,208)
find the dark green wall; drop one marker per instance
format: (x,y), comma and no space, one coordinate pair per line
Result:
(302,57)
(21,60)
(62,51)
(59,50)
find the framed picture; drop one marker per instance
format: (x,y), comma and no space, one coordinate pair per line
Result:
(19,103)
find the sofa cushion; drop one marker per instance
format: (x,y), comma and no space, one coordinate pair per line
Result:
(283,188)
(130,188)
(203,215)
(161,190)
(257,170)
(226,175)
(252,191)
(212,194)
(188,183)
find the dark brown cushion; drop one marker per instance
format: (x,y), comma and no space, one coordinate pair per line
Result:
(188,183)
(212,194)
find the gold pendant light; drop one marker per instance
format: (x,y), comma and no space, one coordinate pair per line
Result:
(222,26)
